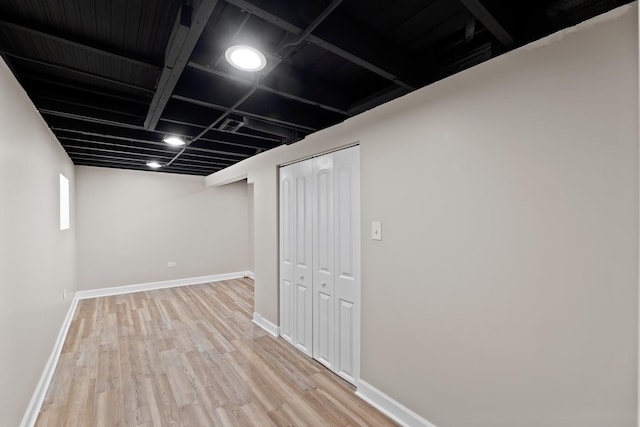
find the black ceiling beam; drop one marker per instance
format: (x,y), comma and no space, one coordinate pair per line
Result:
(235,138)
(86,104)
(82,88)
(229,138)
(109,135)
(165,154)
(188,27)
(144,168)
(89,119)
(365,61)
(86,110)
(97,129)
(76,71)
(109,144)
(479,9)
(83,46)
(116,160)
(380,97)
(344,36)
(70,147)
(207,156)
(212,106)
(441,30)
(102,152)
(308,93)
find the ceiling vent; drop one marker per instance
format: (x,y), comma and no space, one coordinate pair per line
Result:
(231,125)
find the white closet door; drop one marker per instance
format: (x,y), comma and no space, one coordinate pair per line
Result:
(287,215)
(323,261)
(320,259)
(346,169)
(303,257)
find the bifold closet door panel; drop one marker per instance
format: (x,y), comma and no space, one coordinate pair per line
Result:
(346,170)
(303,256)
(320,259)
(323,261)
(287,213)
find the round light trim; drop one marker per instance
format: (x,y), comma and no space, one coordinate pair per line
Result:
(174,141)
(245,58)
(154,165)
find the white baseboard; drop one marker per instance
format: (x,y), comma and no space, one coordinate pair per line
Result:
(391,408)
(40,392)
(141,287)
(266,324)
(251,275)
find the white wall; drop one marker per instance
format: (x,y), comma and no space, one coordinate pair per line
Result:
(132,223)
(37,260)
(251,227)
(505,289)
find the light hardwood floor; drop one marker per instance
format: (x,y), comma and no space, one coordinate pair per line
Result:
(190,356)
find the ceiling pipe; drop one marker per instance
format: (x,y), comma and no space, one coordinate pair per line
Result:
(300,38)
(277,59)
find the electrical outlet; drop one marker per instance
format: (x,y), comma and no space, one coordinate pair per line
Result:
(171,264)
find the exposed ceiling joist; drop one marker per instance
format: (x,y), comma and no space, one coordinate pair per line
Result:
(347,38)
(385,95)
(49,82)
(85,118)
(76,71)
(285,123)
(287,81)
(229,156)
(80,45)
(114,78)
(337,50)
(488,19)
(87,106)
(235,139)
(90,160)
(188,27)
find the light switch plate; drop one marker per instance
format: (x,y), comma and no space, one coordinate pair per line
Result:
(376,230)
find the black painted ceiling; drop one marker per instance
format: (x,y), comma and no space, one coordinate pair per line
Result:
(113,77)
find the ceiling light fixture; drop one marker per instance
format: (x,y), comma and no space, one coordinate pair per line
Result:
(174,141)
(245,58)
(154,165)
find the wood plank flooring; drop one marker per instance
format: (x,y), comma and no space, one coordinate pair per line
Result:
(190,356)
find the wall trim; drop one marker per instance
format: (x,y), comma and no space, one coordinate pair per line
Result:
(141,287)
(40,392)
(250,274)
(265,324)
(390,407)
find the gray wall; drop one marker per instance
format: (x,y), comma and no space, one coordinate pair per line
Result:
(37,260)
(505,289)
(132,223)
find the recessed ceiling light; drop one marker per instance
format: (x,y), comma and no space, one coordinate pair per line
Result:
(245,58)
(154,165)
(174,140)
